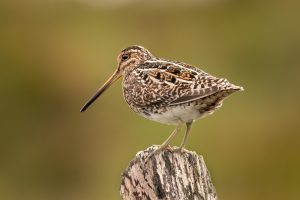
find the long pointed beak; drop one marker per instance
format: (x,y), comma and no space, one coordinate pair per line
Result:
(106,85)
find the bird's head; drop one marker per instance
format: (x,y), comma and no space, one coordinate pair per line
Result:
(131,57)
(128,59)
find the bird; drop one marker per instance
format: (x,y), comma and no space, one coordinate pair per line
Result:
(166,91)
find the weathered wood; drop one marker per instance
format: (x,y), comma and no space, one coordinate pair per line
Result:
(169,174)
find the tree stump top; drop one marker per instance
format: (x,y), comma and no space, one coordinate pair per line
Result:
(170,174)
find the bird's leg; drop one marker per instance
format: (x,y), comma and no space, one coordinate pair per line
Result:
(166,142)
(188,128)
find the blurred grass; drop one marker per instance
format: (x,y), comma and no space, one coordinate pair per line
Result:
(55,54)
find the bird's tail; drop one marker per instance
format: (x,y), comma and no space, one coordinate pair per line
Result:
(236,88)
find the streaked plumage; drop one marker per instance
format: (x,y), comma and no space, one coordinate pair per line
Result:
(165,91)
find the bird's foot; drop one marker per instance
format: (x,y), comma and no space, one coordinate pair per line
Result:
(179,149)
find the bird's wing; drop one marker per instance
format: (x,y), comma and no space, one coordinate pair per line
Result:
(178,83)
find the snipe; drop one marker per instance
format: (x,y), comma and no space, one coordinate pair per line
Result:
(169,92)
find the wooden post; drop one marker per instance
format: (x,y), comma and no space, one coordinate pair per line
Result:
(168,175)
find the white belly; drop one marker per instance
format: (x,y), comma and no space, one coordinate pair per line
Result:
(176,115)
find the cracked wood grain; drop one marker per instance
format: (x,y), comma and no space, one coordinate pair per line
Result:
(167,175)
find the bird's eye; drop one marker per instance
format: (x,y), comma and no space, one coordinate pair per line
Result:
(125,57)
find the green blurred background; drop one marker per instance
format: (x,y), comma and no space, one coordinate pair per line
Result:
(55,54)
